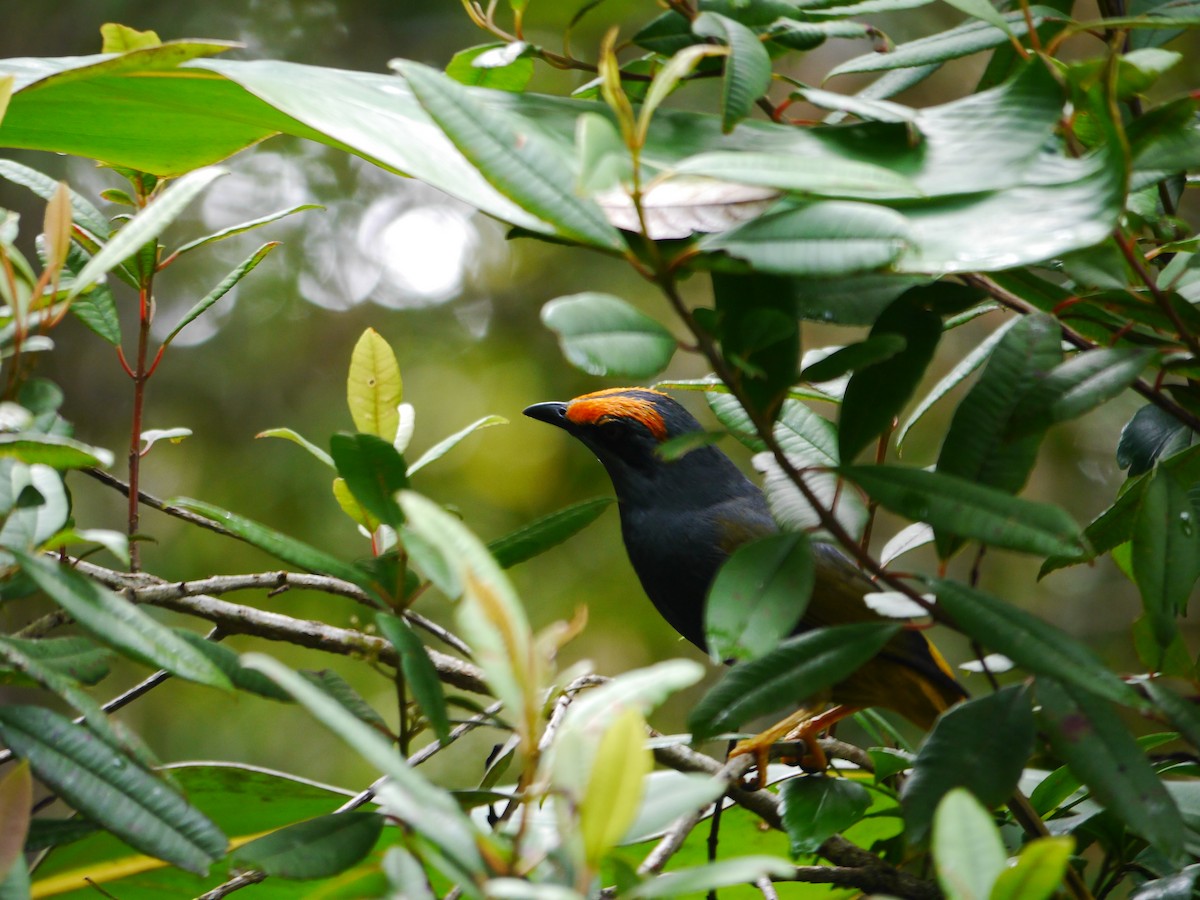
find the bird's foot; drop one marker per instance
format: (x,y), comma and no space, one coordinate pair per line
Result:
(803,725)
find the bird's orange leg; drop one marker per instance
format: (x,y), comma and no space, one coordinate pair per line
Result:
(802,725)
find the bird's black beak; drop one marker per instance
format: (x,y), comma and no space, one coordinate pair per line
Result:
(555,413)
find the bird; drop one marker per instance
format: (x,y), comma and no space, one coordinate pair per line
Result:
(682,517)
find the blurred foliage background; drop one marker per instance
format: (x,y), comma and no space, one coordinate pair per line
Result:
(459,304)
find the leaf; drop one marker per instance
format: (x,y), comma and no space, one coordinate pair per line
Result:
(604,335)
(699,879)
(288,435)
(797,669)
(549,531)
(279,545)
(1165,551)
(818,177)
(1151,433)
(16,810)
(1180,712)
(909,538)
(512,74)
(967,850)
(814,808)
(373,388)
(6,87)
(963,368)
(1179,886)
(118,623)
(346,696)
(83,212)
(956,507)
(758,596)
(316,848)
(123,39)
(1030,642)
(53,450)
(152,436)
(419,673)
(820,239)
(1088,734)
(1039,871)
(243,227)
(373,471)
(427,809)
(876,393)
(667,78)
(108,788)
(77,658)
(854,356)
(1079,385)
(961,752)
(444,446)
(145,226)
(614,789)
(747,67)
(520,165)
(226,285)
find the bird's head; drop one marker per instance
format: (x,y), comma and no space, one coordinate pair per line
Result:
(625,427)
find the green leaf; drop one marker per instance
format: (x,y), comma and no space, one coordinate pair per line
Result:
(615,784)
(1179,886)
(108,788)
(374,389)
(1180,712)
(123,39)
(145,226)
(444,446)
(549,531)
(118,623)
(1030,642)
(419,673)
(520,165)
(1077,386)
(758,596)
(82,211)
(77,658)
(226,285)
(427,809)
(603,159)
(821,239)
(700,879)
(288,435)
(956,507)
(475,67)
(961,752)
(970,37)
(1166,551)
(1088,734)
(16,809)
(797,669)
(53,450)
(844,360)
(317,848)
(1151,433)
(373,471)
(243,227)
(346,696)
(1039,871)
(227,661)
(819,177)
(967,850)
(876,393)
(747,68)
(604,335)
(814,808)
(667,78)
(288,549)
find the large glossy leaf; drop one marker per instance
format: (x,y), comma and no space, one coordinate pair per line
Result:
(801,667)
(604,335)
(957,508)
(833,178)
(1165,551)
(758,596)
(962,751)
(109,788)
(316,848)
(118,623)
(1087,732)
(814,808)
(549,531)
(1030,642)
(53,450)
(373,471)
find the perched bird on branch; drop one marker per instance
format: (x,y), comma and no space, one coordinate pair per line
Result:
(682,518)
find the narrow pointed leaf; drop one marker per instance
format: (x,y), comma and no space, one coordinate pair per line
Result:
(799,668)
(758,596)
(419,673)
(316,848)
(701,879)
(1086,731)
(549,531)
(837,178)
(118,623)
(604,335)
(374,389)
(747,67)
(288,435)
(147,225)
(1028,641)
(852,357)
(243,227)
(83,212)
(954,506)
(53,450)
(444,446)
(226,285)
(297,553)
(110,789)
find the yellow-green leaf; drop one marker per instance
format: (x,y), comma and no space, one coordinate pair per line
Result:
(6,86)
(351,507)
(122,38)
(614,790)
(374,389)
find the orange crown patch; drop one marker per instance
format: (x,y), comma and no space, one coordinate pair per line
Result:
(618,403)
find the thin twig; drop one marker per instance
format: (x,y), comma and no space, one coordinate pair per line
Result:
(161,505)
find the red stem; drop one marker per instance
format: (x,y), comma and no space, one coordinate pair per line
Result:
(140,376)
